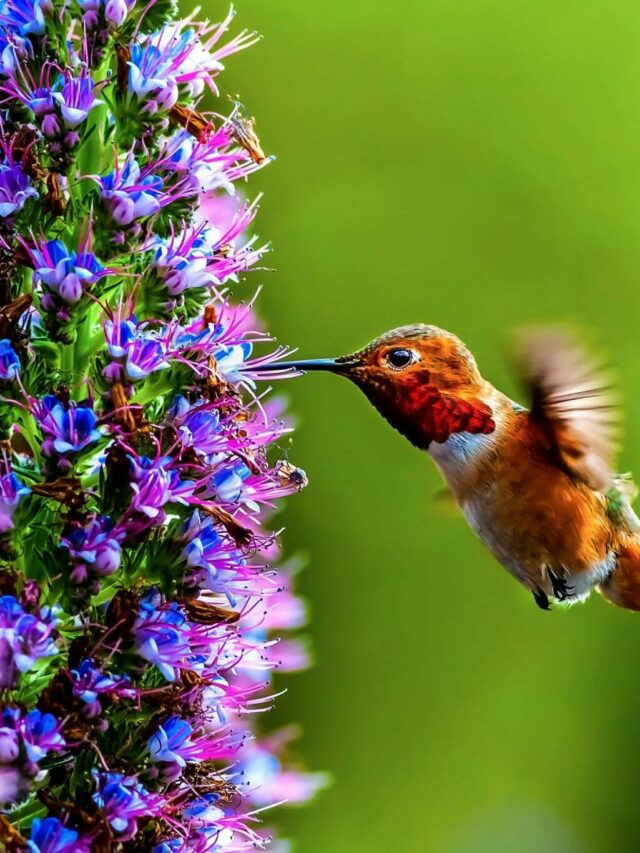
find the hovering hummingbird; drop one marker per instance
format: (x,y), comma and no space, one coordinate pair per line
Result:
(537,485)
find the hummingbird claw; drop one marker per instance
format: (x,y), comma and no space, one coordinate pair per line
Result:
(540,598)
(560,589)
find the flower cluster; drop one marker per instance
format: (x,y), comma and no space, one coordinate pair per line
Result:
(141,605)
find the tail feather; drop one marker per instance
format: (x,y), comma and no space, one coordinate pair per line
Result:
(622,587)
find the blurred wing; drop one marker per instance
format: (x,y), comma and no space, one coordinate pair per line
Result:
(573,404)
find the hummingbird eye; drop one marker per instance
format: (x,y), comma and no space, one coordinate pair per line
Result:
(399,358)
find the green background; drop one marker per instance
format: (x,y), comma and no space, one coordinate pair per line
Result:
(475,165)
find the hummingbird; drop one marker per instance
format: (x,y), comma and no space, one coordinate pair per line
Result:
(537,484)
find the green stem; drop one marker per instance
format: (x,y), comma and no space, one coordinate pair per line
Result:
(24,814)
(28,431)
(87,341)
(153,388)
(67,360)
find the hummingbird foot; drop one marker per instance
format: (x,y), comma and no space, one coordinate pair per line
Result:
(540,598)
(560,589)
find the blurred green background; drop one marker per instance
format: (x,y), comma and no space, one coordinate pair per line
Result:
(476,165)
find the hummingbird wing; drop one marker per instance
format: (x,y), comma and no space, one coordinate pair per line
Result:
(573,405)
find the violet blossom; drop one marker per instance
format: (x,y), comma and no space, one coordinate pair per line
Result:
(128,194)
(15,188)
(25,638)
(48,835)
(11,493)
(64,274)
(124,801)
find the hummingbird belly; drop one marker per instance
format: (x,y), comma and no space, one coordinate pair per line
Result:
(559,547)
(548,530)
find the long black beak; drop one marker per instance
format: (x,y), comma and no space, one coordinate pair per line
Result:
(332,365)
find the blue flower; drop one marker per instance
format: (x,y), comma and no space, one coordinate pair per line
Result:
(25,17)
(9,361)
(205,543)
(174,845)
(65,273)
(15,188)
(183,263)
(215,563)
(48,835)
(150,74)
(165,60)
(228,482)
(75,99)
(89,682)
(41,734)
(136,351)
(231,359)
(24,639)
(93,547)
(128,195)
(198,426)
(162,635)
(168,741)
(123,800)
(68,428)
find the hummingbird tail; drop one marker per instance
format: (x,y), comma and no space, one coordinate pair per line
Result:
(622,587)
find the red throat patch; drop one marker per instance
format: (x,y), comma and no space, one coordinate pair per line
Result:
(425,414)
(447,415)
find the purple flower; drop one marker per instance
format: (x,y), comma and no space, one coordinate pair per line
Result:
(15,188)
(41,102)
(9,361)
(24,639)
(124,800)
(176,57)
(25,17)
(135,349)
(199,342)
(94,548)
(182,263)
(24,742)
(113,12)
(14,784)
(89,682)
(11,492)
(129,195)
(198,426)
(116,11)
(68,428)
(65,273)
(75,98)
(215,562)
(40,735)
(202,257)
(162,634)
(9,745)
(154,484)
(204,166)
(208,828)
(172,743)
(48,835)
(136,475)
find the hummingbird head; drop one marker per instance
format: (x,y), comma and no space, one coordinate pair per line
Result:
(422,379)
